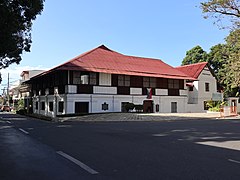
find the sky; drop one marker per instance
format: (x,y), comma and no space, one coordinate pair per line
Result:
(155,28)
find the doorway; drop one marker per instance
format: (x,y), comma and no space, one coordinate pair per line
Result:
(148,106)
(173,107)
(81,107)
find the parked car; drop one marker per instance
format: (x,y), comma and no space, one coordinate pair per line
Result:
(6,108)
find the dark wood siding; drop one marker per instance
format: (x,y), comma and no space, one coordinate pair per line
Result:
(173,92)
(123,90)
(136,81)
(162,83)
(84,89)
(181,84)
(61,89)
(114,79)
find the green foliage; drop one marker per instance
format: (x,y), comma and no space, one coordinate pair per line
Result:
(195,55)
(215,105)
(129,106)
(21,111)
(138,107)
(20,105)
(229,10)
(16,18)
(224,60)
(231,80)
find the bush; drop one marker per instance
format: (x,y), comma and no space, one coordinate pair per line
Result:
(21,111)
(215,105)
(20,105)
(138,107)
(129,106)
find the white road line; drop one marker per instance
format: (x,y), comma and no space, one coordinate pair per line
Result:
(231,160)
(9,122)
(79,163)
(23,131)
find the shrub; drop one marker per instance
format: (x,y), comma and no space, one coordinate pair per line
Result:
(129,106)
(138,107)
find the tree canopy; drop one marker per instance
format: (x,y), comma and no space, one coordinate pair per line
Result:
(223,9)
(16,18)
(224,60)
(195,55)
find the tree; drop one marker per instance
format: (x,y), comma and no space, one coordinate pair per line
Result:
(195,55)
(16,18)
(232,69)
(220,9)
(217,58)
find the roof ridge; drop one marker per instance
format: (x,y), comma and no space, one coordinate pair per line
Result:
(205,62)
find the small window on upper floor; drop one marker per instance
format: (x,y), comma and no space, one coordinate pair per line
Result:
(123,80)
(149,82)
(206,87)
(173,84)
(93,78)
(76,77)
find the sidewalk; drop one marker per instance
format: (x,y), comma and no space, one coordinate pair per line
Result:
(140,117)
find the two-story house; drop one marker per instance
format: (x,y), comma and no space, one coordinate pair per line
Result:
(103,80)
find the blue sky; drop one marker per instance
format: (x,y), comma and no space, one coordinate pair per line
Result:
(159,29)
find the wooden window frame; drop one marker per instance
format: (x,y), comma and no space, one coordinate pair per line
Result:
(124,80)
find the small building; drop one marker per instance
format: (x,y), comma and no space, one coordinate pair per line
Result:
(20,90)
(103,80)
(201,90)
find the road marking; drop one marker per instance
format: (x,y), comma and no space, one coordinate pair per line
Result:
(8,122)
(231,160)
(79,163)
(159,135)
(23,131)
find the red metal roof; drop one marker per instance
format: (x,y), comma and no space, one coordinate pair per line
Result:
(193,70)
(102,59)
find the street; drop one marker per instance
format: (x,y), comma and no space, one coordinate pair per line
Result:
(176,149)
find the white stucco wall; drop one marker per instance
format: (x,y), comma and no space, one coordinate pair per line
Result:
(197,97)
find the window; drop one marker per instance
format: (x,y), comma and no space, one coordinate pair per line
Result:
(60,106)
(149,82)
(50,106)
(207,87)
(93,78)
(43,106)
(123,80)
(170,84)
(173,84)
(76,77)
(36,105)
(84,78)
(153,82)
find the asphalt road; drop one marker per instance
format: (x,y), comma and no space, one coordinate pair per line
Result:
(177,149)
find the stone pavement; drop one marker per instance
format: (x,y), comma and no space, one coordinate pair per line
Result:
(142,117)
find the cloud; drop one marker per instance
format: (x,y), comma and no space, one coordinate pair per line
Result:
(15,71)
